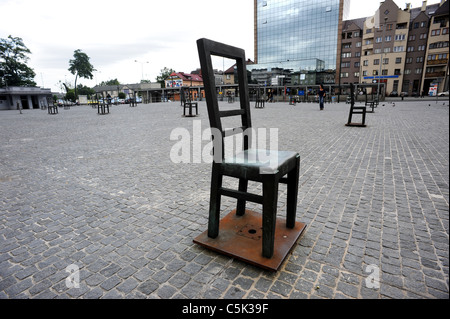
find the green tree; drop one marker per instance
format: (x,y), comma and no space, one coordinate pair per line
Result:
(81,67)
(85,90)
(109,82)
(13,67)
(165,73)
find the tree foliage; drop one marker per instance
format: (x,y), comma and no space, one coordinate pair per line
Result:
(81,67)
(110,82)
(13,59)
(165,73)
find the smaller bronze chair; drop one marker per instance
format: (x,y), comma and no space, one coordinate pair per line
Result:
(245,165)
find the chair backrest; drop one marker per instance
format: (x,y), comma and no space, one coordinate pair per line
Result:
(206,49)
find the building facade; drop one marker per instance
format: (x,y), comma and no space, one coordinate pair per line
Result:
(297,36)
(406,49)
(13,98)
(437,51)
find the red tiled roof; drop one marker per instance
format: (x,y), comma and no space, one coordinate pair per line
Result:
(187,76)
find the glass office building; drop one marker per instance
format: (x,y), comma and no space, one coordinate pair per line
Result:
(297,36)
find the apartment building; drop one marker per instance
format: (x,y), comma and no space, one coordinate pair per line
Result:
(407,49)
(416,49)
(437,51)
(384,46)
(350,44)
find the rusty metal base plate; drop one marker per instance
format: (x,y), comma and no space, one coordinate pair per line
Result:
(241,237)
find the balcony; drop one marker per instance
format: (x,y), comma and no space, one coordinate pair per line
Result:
(437,62)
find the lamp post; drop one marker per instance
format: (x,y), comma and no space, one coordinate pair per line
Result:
(381,58)
(142,67)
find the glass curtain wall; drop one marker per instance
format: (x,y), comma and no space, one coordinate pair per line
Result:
(295,34)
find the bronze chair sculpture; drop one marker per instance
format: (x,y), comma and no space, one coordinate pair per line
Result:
(246,166)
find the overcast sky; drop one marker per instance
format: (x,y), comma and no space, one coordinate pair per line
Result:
(114,34)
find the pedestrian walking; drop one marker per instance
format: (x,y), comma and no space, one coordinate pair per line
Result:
(321,95)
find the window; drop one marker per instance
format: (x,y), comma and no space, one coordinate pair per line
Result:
(412,37)
(347,45)
(356,74)
(388,38)
(395,87)
(368,42)
(377,51)
(358,44)
(357,54)
(344,75)
(418,71)
(376,62)
(345,64)
(419,59)
(401,26)
(364,73)
(384,72)
(374,72)
(356,34)
(400,37)
(423,24)
(407,71)
(423,36)
(410,49)
(366,62)
(357,64)
(438,45)
(368,31)
(397,72)
(386,61)
(421,48)
(445,31)
(387,50)
(398,49)
(398,60)
(389,27)
(435,32)
(347,55)
(416,25)
(379,39)
(409,60)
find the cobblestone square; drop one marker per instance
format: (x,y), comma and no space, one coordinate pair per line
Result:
(101,192)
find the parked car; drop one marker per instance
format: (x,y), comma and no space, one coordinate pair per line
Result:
(443,93)
(393,94)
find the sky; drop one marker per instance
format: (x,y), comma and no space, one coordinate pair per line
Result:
(117,33)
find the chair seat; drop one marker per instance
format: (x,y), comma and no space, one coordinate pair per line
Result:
(252,163)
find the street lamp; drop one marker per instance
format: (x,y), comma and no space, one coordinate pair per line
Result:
(381,59)
(142,67)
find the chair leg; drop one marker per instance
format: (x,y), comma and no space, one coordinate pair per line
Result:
(240,210)
(270,199)
(292,193)
(214,203)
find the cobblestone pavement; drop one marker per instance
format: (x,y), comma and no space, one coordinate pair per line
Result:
(102,195)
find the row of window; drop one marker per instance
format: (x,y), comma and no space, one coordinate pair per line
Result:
(398,60)
(398,37)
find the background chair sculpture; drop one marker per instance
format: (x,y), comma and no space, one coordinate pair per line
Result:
(247,165)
